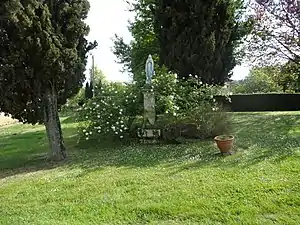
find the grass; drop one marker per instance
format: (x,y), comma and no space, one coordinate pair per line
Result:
(168,184)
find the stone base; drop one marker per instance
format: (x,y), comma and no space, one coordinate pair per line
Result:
(149,141)
(148,133)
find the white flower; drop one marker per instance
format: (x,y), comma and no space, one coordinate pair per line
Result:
(87,134)
(121,137)
(116,133)
(84,131)
(86,138)
(98,116)
(86,117)
(91,132)
(107,122)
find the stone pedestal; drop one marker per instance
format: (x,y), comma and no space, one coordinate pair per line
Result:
(149,108)
(149,133)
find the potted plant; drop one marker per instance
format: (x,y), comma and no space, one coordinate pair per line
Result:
(224,143)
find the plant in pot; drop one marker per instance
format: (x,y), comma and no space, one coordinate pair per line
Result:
(224,143)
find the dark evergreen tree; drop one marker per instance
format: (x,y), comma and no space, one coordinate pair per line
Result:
(43,54)
(87,90)
(199,37)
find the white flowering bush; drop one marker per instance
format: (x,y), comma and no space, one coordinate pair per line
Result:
(109,114)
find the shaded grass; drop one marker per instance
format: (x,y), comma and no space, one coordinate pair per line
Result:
(146,184)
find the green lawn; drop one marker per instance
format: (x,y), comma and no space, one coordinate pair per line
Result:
(168,184)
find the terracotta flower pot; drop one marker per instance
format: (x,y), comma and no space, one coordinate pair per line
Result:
(224,142)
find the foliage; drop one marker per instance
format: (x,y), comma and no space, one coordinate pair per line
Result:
(200,37)
(266,79)
(98,76)
(109,114)
(260,80)
(88,90)
(192,102)
(44,48)
(289,76)
(147,40)
(133,56)
(43,53)
(71,107)
(275,37)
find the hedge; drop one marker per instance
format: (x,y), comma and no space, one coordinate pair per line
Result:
(261,102)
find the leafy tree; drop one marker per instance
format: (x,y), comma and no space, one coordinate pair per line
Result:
(260,80)
(276,34)
(133,56)
(200,37)
(43,53)
(288,77)
(98,76)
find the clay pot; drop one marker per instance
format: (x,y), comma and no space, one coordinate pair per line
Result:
(224,142)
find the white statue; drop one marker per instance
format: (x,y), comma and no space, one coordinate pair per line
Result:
(149,69)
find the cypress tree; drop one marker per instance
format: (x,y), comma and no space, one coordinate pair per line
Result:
(43,54)
(199,37)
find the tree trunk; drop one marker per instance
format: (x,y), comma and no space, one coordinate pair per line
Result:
(53,127)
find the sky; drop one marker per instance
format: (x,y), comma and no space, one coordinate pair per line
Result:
(106,20)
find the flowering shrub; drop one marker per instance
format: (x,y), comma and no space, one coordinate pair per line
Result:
(109,114)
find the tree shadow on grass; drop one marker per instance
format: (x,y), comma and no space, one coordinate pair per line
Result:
(26,152)
(258,138)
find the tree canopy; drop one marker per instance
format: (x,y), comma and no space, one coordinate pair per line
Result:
(205,36)
(276,34)
(133,55)
(200,37)
(43,54)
